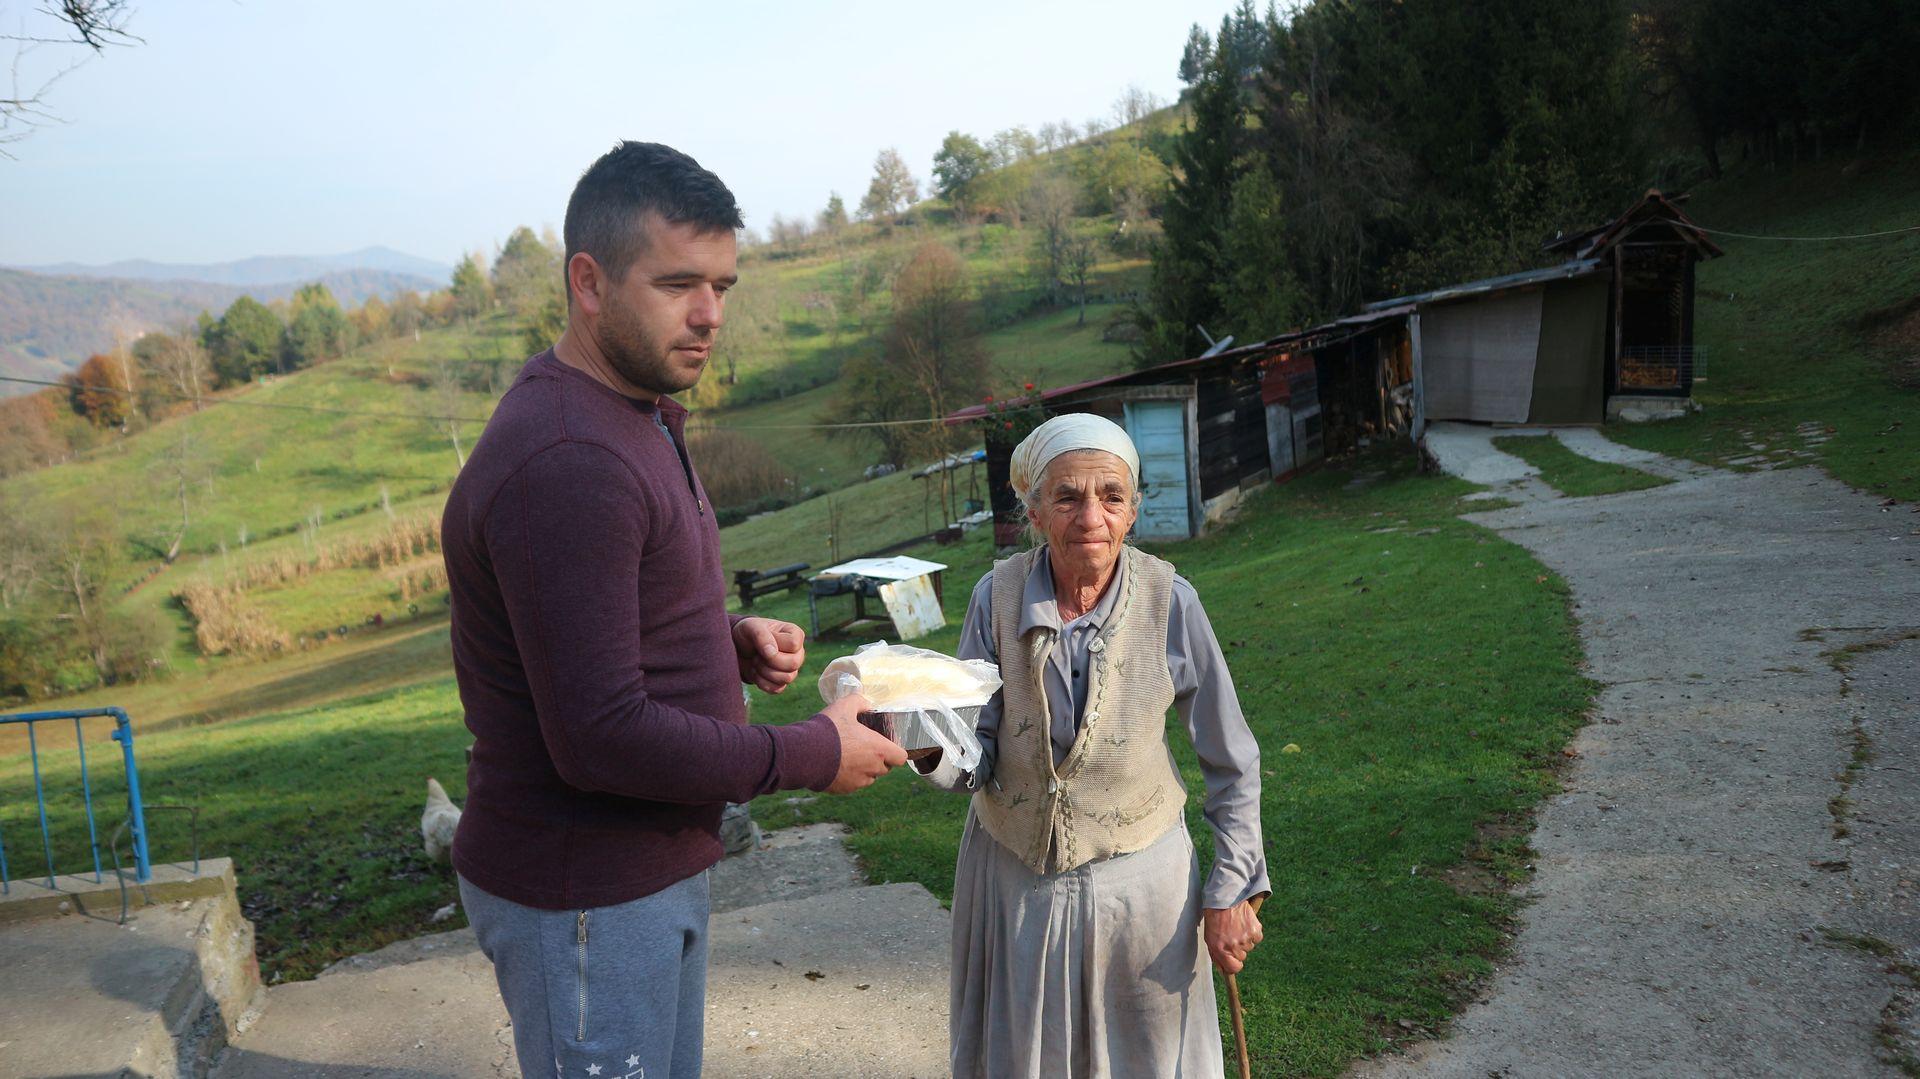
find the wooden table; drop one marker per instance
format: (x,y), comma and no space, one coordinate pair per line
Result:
(862,579)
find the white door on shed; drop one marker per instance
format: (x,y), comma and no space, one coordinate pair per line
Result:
(1159,433)
(1478,357)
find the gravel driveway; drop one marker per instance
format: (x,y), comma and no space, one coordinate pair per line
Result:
(1730,882)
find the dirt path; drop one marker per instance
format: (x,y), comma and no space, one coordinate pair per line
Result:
(1730,883)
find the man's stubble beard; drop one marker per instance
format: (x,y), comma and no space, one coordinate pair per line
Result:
(639,359)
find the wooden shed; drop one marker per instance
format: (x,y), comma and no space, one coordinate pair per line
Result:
(1608,330)
(1199,424)
(1649,254)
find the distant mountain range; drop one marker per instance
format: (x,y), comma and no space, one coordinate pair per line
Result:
(261,270)
(54,317)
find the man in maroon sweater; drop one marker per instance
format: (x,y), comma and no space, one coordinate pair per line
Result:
(598,666)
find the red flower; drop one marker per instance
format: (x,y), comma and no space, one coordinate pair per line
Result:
(1009,425)
(1029,386)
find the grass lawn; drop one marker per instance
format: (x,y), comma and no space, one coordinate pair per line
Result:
(1571,474)
(318,808)
(367,661)
(1820,334)
(1055,349)
(870,515)
(349,596)
(1429,673)
(789,430)
(1427,670)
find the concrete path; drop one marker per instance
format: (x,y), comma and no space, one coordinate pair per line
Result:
(86,996)
(1727,885)
(786,993)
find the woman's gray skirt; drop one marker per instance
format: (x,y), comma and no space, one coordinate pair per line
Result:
(1097,972)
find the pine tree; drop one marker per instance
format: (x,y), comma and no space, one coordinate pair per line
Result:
(316,329)
(834,217)
(1196,56)
(244,342)
(472,294)
(1190,259)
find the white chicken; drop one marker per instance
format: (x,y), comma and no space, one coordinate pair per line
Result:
(438,822)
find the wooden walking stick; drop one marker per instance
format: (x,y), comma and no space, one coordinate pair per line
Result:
(1240,1020)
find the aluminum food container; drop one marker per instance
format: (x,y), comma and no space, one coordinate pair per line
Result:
(912,727)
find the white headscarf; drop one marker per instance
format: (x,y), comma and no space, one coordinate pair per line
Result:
(1065,434)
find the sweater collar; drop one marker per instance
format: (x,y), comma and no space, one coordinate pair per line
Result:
(672,413)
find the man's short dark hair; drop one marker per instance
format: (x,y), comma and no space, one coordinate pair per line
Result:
(605,216)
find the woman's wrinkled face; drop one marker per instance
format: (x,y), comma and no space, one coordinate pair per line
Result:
(1085,509)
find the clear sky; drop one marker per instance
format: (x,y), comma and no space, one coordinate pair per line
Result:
(280,127)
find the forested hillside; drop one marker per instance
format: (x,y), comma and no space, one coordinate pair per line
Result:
(1355,151)
(1342,153)
(264,479)
(50,323)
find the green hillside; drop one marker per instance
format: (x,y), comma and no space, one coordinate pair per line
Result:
(1813,346)
(330,735)
(50,320)
(270,487)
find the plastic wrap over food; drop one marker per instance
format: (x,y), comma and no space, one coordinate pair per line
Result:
(927,698)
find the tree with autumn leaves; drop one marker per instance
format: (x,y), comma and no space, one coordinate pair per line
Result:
(930,361)
(101,391)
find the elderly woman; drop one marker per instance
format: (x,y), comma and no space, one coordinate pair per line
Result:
(1078,905)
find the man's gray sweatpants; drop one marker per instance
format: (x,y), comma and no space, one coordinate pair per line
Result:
(604,993)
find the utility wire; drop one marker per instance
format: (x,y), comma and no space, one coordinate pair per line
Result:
(1024,401)
(1816,239)
(423,415)
(429,416)
(244,404)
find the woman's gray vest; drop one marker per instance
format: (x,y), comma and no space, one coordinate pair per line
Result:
(1117,790)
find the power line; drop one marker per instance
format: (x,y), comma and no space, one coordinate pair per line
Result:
(423,415)
(1817,239)
(695,425)
(244,404)
(850,425)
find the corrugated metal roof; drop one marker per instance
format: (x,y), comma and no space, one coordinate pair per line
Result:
(1576,268)
(974,412)
(1654,206)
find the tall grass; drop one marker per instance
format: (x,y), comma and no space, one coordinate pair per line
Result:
(737,470)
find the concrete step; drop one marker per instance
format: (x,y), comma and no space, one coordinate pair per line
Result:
(810,972)
(842,984)
(157,997)
(791,863)
(437,1014)
(850,982)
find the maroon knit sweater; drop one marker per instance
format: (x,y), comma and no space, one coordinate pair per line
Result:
(595,655)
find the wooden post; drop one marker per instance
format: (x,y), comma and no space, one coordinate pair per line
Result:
(1619,297)
(1419,380)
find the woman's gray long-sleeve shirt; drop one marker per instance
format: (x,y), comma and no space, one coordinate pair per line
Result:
(1204,699)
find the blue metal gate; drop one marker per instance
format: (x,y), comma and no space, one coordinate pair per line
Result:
(136,814)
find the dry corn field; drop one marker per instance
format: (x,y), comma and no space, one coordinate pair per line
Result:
(228,622)
(402,542)
(225,621)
